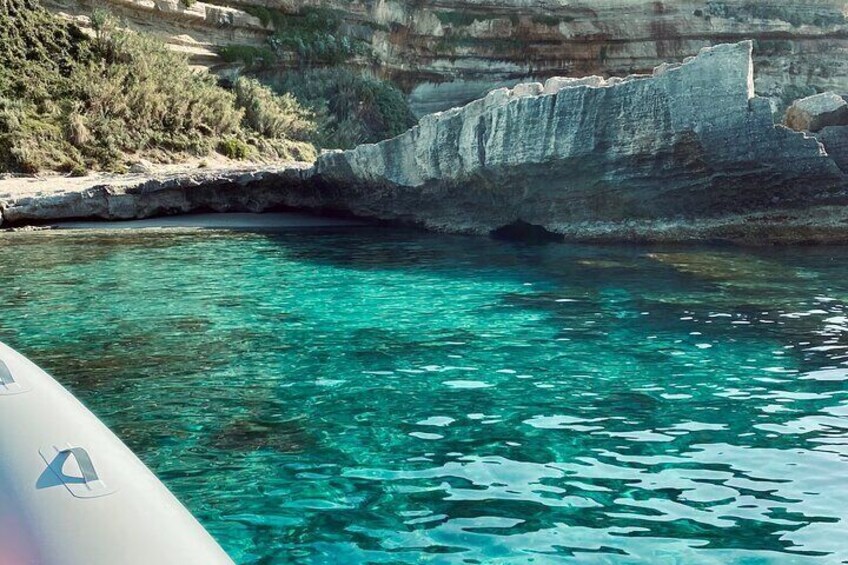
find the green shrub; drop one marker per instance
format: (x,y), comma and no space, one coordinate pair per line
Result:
(283,149)
(458,19)
(100,20)
(253,57)
(266,16)
(32,139)
(77,170)
(72,103)
(270,115)
(315,35)
(38,51)
(139,95)
(350,108)
(234,148)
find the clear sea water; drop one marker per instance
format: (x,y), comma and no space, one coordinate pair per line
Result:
(369,396)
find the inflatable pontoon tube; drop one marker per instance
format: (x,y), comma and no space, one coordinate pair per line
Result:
(71,493)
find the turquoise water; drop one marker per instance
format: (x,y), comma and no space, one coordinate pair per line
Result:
(374,396)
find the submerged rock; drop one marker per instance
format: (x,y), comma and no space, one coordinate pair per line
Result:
(522,231)
(816,112)
(689,141)
(744,270)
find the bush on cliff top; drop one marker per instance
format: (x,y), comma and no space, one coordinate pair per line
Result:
(314,35)
(351,108)
(68,102)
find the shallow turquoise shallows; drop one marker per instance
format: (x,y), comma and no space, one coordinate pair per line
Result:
(374,396)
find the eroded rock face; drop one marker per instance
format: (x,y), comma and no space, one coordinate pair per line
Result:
(448,52)
(835,141)
(816,112)
(689,141)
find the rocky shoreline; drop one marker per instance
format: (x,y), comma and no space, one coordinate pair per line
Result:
(686,153)
(163,192)
(101,203)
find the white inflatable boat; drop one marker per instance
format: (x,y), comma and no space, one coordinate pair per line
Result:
(71,493)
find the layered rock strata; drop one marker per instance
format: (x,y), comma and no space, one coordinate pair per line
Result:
(448,52)
(198,29)
(688,141)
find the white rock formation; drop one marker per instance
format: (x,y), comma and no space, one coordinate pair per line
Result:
(816,112)
(689,141)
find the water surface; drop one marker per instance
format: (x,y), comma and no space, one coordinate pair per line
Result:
(363,395)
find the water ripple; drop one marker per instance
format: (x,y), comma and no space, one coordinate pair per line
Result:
(367,396)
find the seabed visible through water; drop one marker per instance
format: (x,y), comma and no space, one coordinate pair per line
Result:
(368,395)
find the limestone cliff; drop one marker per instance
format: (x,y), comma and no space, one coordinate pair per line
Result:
(687,152)
(689,141)
(447,52)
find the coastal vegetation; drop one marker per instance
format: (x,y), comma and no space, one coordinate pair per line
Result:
(350,107)
(73,103)
(251,56)
(316,36)
(312,37)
